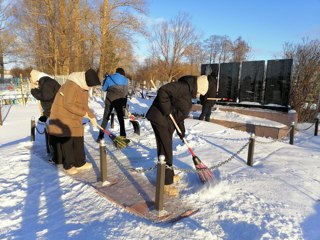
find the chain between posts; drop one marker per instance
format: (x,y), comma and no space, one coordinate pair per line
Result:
(215,166)
(230,158)
(138,170)
(305,129)
(141,170)
(38,131)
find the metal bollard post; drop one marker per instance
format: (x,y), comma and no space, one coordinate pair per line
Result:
(316,127)
(103,160)
(251,150)
(160,183)
(292,133)
(33,129)
(112,120)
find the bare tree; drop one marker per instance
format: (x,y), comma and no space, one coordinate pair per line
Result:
(148,71)
(57,36)
(117,24)
(225,51)
(221,49)
(170,42)
(195,56)
(63,55)
(213,47)
(6,37)
(2,20)
(305,85)
(240,50)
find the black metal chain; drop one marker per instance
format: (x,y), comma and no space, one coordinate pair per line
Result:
(44,130)
(305,128)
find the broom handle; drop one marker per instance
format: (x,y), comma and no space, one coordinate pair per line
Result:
(213,99)
(103,129)
(153,84)
(179,131)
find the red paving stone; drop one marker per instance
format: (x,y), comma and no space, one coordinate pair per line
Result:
(133,191)
(128,189)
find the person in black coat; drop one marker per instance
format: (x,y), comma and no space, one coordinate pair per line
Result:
(44,88)
(206,103)
(175,98)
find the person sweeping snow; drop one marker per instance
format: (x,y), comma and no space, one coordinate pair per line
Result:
(65,124)
(174,98)
(44,88)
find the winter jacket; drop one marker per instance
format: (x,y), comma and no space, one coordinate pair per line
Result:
(174,98)
(69,107)
(116,86)
(212,93)
(46,93)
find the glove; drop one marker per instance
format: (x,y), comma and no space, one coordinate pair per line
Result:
(34,85)
(93,122)
(86,115)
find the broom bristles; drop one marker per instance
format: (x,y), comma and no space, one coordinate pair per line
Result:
(121,142)
(204,172)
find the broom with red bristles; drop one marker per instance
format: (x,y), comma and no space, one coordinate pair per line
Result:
(203,171)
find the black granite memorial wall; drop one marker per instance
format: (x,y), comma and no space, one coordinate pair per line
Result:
(251,81)
(228,80)
(277,85)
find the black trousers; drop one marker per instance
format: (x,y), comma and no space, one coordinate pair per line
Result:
(57,157)
(119,106)
(71,150)
(164,147)
(206,112)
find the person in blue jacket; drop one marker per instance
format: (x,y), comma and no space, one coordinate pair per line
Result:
(116,86)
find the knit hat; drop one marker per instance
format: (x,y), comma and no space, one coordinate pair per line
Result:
(92,78)
(202,84)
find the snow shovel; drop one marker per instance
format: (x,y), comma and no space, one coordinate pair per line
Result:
(203,171)
(119,141)
(135,124)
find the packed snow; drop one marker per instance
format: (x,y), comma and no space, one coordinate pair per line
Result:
(277,198)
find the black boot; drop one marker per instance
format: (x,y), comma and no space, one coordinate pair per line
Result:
(101,136)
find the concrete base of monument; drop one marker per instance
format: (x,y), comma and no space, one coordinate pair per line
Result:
(261,122)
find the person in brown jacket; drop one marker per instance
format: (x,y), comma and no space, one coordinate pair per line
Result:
(65,125)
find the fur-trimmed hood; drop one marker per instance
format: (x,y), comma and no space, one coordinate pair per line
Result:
(36,75)
(79,78)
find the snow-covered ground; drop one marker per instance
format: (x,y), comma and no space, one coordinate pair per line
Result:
(277,198)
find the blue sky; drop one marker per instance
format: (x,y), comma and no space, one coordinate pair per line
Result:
(265,24)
